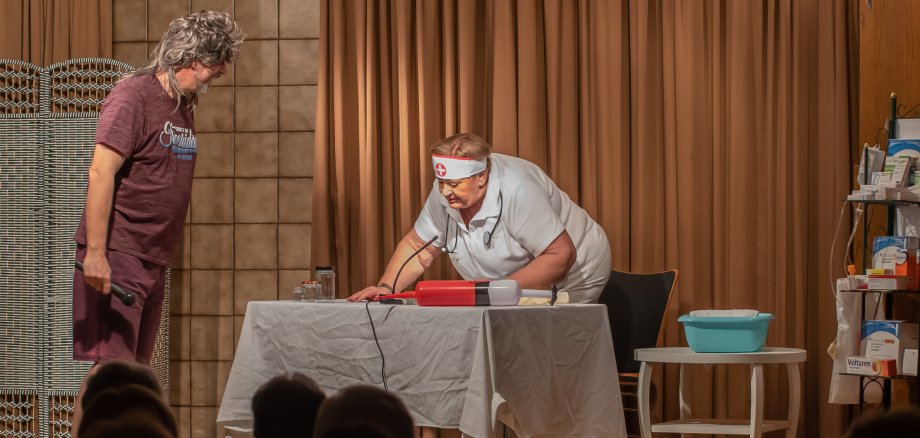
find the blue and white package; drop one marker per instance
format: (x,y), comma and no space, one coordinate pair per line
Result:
(881,339)
(904,147)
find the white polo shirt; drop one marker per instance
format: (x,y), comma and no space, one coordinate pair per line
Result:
(534,212)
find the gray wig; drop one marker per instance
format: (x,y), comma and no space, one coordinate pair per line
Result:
(208,37)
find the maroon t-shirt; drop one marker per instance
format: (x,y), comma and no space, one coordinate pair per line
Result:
(153,186)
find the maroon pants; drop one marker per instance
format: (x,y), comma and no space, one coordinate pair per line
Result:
(103,327)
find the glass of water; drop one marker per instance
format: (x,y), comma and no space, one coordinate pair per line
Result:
(310,290)
(297,293)
(325,277)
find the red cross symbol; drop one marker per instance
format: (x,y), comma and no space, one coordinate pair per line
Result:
(440,170)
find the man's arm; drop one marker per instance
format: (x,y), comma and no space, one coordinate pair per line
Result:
(413,270)
(100,191)
(551,266)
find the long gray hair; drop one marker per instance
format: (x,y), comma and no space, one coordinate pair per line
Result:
(208,37)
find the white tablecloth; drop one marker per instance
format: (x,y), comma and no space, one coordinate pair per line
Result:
(543,371)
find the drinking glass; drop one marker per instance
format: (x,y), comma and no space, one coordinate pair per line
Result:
(297,293)
(325,276)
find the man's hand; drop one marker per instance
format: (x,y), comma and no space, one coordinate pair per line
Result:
(96,271)
(368,293)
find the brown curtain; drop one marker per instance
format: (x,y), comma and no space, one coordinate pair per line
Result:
(707,136)
(44,32)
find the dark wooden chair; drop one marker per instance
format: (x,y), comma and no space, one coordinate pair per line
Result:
(636,304)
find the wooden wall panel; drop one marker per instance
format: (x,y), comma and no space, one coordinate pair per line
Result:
(889,61)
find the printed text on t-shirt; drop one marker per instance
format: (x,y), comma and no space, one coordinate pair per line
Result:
(180,140)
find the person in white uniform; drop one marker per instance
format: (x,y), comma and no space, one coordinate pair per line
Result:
(499,217)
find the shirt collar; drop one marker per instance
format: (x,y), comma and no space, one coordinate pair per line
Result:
(491,205)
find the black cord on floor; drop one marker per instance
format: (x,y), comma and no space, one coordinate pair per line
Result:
(383,360)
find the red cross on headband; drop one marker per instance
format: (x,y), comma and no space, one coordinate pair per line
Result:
(450,167)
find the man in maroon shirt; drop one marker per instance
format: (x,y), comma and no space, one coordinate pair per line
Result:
(139,188)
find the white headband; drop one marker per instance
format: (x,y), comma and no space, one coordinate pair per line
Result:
(449,167)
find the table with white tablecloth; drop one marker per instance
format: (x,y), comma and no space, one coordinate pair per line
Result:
(544,371)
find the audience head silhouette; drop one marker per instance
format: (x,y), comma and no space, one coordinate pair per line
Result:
(117,374)
(133,410)
(286,406)
(363,411)
(894,423)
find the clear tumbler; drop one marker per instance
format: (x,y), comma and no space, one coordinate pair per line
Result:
(325,276)
(297,293)
(310,290)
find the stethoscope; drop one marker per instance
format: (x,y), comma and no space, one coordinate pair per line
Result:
(486,238)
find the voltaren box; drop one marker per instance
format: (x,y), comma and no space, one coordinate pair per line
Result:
(868,366)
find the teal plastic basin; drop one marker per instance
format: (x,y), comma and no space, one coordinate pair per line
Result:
(733,334)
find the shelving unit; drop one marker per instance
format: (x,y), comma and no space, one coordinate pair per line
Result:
(886,296)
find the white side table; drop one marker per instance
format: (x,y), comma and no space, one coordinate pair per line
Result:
(754,427)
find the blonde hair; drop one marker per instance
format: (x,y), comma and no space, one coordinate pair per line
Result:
(463,145)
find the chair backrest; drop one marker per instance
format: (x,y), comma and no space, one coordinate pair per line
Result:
(635,305)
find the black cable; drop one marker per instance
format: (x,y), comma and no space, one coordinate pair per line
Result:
(487,238)
(444,248)
(383,360)
(396,280)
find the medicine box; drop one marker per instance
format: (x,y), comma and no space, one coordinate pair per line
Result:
(910,341)
(883,339)
(901,146)
(899,167)
(868,366)
(872,192)
(876,158)
(909,362)
(887,282)
(885,179)
(897,254)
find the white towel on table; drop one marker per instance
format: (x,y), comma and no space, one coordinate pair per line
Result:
(725,313)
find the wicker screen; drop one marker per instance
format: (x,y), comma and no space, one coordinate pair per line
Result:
(48,118)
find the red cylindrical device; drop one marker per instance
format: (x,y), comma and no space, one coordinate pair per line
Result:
(468,293)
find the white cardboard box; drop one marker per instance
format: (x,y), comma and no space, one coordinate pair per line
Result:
(909,362)
(887,282)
